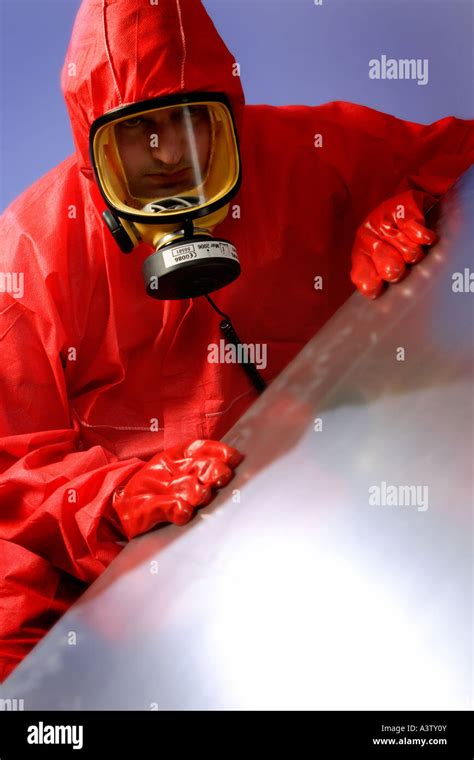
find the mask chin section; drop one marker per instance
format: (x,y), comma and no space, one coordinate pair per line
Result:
(190,263)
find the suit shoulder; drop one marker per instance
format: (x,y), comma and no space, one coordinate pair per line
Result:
(45,202)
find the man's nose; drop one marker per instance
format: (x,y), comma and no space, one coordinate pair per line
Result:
(170,148)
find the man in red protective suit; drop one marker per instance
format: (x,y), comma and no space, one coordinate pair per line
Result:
(111,412)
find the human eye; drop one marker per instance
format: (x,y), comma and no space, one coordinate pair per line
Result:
(132,123)
(197,112)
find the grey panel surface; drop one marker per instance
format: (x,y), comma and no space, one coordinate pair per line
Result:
(292,590)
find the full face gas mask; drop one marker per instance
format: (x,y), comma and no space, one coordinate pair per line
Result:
(167,169)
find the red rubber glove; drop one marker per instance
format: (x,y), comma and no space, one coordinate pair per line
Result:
(172,484)
(391,237)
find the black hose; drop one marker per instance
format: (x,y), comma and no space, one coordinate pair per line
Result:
(228,330)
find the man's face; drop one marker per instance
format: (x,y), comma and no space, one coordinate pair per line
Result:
(164,152)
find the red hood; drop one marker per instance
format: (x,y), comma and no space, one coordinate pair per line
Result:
(124,51)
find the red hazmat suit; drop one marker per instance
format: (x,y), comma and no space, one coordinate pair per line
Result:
(97,377)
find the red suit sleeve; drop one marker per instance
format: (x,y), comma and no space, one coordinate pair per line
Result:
(442,152)
(378,155)
(57,530)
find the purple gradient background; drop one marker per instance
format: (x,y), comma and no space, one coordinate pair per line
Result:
(290,51)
